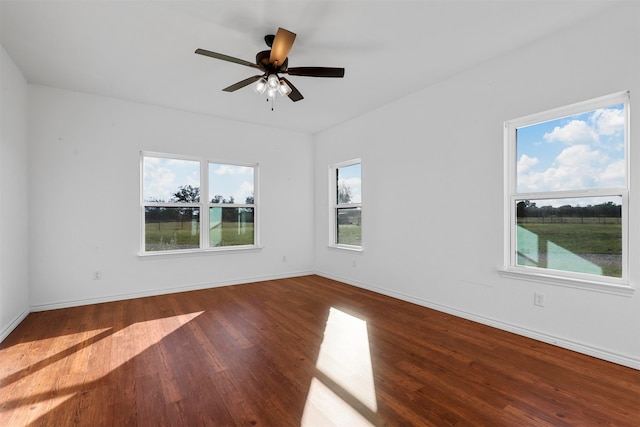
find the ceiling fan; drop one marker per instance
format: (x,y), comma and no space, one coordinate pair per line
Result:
(272,63)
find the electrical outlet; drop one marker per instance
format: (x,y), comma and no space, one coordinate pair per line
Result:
(284,258)
(538,299)
(97,275)
(354,264)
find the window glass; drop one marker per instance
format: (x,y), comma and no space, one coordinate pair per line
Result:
(171,180)
(579,235)
(349,184)
(169,228)
(349,230)
(231,226)
(230,184)
(582,151)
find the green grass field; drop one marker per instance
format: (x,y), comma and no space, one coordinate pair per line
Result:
(590,239)
(350,234)
(163,236)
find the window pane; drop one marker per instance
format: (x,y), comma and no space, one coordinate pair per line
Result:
(578,235)
(230,184)
(583,151)
(349,229)
(349,184)
(231,226)
(169,229)
(171,180)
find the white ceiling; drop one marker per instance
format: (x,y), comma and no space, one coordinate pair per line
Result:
(144,50)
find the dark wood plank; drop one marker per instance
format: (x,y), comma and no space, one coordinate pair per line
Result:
(252,354)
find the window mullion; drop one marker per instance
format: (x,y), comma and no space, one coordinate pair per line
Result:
(572,194)
(204,204)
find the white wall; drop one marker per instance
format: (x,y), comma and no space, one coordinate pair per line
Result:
(432,169)
(436,156)
(84,165)
(14,272)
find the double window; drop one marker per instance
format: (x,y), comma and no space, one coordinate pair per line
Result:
(195,204)
(346,204)
(567,191)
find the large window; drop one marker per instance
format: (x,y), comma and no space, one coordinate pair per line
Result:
(346,206)
(194,204)
(567,191)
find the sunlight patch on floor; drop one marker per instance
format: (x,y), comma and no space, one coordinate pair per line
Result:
(19,356)
(58,369)
(136,338)
(343,393)
(324,408)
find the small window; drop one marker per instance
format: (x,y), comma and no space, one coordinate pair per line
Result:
(346,205)
(567,182)
(194,204)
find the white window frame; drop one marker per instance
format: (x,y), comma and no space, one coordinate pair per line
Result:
(333,206)
(556,277)
(203,205)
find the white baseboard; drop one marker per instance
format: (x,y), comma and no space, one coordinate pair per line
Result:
(14,324)
(546,338)
(154,292)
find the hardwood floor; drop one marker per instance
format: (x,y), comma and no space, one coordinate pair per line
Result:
(302,351)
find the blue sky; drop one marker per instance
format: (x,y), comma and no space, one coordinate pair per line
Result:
(163,177)
(583,151)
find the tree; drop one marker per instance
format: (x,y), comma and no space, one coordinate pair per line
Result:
(186,194)
(344,192)
(219,199)
(521,210)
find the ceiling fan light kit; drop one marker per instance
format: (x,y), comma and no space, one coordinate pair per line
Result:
(272,63)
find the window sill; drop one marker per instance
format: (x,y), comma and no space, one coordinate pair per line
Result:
(621,288)
(347,248)
(196,252)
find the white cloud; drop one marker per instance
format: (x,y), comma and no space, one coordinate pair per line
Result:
(163,177)
(576,167)
(232,170)
(579,156)
(245,190)
(613,175)
(574,132)
(159,181)
(608,121)
(605,122)
(590,157)
(525,163)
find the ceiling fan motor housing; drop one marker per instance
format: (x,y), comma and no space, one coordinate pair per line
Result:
(268,39)
(262,60)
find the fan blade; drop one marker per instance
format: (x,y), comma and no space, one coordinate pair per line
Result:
(295,94)
(316,71)
(226,58)
(243,83)
(281,46)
